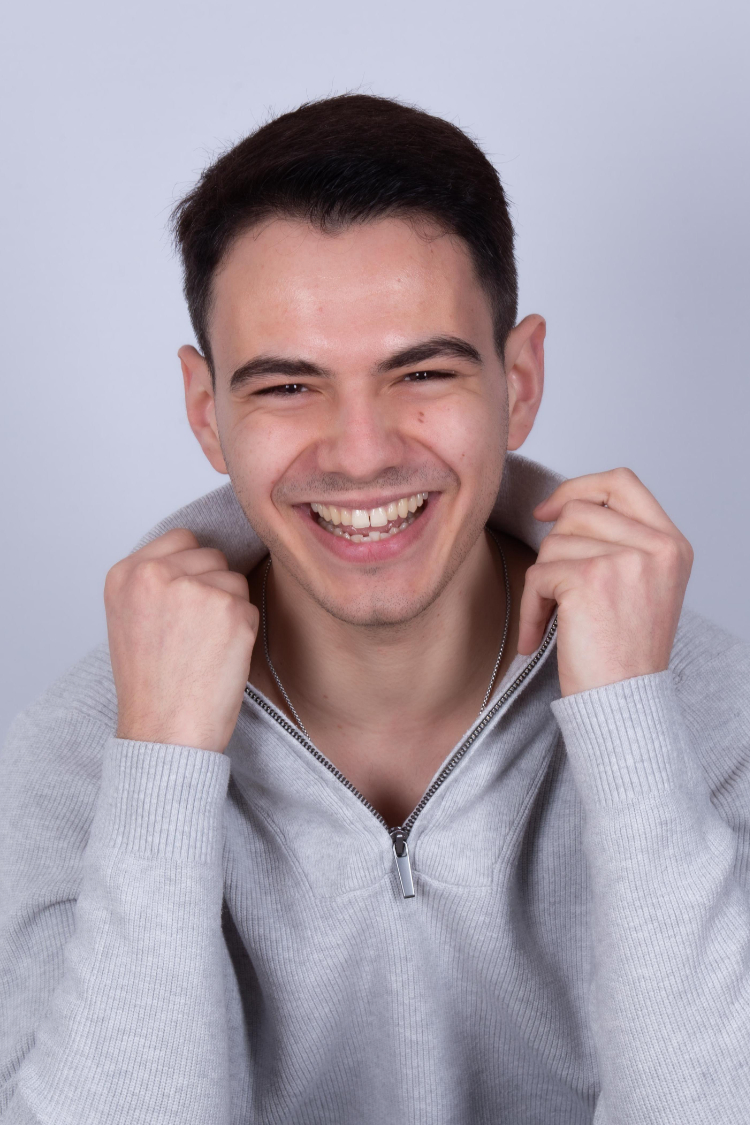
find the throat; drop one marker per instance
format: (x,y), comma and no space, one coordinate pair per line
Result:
(388,712)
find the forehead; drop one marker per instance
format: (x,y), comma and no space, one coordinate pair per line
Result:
(350,296)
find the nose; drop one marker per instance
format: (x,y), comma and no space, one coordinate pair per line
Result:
(362,441)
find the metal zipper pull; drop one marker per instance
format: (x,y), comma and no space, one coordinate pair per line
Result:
(403,866)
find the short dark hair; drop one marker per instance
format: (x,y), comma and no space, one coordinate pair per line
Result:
(346,160)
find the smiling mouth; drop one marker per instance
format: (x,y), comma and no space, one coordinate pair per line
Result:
(370,525)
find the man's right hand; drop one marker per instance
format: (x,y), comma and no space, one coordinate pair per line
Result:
(181,634)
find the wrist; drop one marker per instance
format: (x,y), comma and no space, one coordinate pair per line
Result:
(165,735)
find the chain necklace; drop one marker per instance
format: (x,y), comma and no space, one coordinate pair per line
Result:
(280,686)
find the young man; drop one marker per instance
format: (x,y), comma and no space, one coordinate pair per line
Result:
(411,792)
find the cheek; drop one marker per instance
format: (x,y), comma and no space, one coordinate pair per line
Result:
(260,449)
(468,436)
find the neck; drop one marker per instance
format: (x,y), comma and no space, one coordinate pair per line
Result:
(395,680)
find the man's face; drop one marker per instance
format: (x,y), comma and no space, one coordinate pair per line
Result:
(357,372)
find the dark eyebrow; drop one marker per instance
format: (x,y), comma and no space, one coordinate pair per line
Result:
(430,349)
(275,365)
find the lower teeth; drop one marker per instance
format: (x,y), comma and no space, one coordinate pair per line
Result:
(372,537)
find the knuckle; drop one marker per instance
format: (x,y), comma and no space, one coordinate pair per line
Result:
(241,583)
(182,537)
(634,560)
(150,572)
(219,558)
(593,568)
(670,551)
(548,545)
(532,573)
(251,618)
(688,552)
(114,578)
(623,474)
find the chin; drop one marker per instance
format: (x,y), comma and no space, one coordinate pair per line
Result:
(383,611)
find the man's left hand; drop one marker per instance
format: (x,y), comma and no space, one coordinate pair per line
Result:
(617,568)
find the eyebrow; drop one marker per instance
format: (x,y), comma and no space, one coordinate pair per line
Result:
(275,365)
(449,346)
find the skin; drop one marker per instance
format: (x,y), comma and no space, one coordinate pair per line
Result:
(385,649)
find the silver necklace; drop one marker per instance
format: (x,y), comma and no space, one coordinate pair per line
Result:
(280,686)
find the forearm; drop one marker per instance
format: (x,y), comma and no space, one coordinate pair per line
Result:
(671,922)
(135,1030)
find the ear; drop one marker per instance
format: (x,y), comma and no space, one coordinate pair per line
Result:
(201,408)
(524,370)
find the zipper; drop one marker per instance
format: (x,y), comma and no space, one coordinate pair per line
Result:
(399,836)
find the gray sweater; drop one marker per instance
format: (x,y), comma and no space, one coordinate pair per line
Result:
(206,939)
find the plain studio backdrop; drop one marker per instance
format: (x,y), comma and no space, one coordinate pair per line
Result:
(619,130)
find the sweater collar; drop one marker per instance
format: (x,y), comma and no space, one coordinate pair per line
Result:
(217,520)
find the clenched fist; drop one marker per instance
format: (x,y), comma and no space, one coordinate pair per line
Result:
(181,634)
(616,567)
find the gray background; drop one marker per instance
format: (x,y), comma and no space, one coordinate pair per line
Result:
(620,131)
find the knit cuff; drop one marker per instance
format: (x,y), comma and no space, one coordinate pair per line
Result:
(159,801)
(627,740)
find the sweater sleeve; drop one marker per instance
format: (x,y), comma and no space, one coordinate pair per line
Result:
(670,998)
(111,989)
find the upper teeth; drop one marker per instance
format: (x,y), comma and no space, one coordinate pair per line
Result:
(371,517)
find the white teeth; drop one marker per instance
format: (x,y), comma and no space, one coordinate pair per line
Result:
(331,516)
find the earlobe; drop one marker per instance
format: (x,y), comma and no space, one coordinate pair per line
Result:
(524,359)
(201,405)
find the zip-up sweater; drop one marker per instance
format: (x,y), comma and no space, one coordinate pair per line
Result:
(215,939)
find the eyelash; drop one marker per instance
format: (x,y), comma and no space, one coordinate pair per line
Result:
(421,376)
(291,390)
(286,390)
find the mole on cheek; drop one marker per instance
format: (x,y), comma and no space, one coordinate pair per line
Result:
(421,416)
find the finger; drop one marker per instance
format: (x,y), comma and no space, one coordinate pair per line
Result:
(543,585)
(177,539)
(556,546)
(534,616)
(195,560)
(619,489)
(584,518)
(229,580)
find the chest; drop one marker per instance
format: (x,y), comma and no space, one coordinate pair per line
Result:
(484,973)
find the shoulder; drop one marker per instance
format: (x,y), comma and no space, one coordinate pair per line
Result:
(51,761)
(83,696)
(709,664)
(711,669)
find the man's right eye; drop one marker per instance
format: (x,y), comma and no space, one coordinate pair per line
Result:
(286,389)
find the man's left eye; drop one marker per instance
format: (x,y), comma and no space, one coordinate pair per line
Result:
(286,389)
